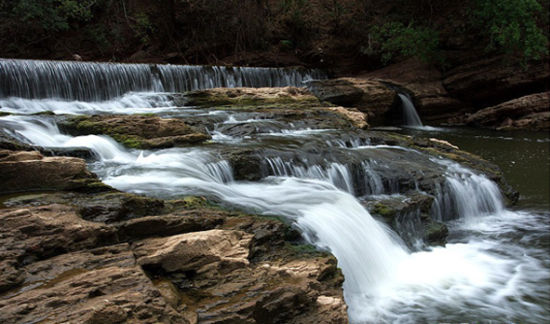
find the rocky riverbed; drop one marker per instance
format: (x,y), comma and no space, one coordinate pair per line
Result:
(75,249)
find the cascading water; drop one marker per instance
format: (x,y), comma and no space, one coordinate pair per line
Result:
(489,270)
(88,81)
(410,116)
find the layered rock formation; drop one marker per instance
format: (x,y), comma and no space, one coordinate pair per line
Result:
(528,112)
(58,267)
(509,96)
(136,131)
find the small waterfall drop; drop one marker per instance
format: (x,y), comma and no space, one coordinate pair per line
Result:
(337,174)
(465,195)
(410,116)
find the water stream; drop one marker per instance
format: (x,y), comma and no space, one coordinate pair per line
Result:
(494,269)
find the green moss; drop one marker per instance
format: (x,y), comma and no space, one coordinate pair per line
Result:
(193,202)
(131,141)
(384,211)
(89,186)
(436,233)
(44,113)
(239,101)
(304,249)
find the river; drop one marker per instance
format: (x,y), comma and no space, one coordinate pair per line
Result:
(494,268)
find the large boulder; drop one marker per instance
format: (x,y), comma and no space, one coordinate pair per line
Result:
(31,171)
(198,251)
(369,96)
(234,267)
(531,112)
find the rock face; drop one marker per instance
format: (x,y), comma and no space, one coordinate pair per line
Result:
(409,216)
(491,81)
(136,131)
(432,101)
(193,265)
(368,96)
(31,171)
(528,112)
(277,106)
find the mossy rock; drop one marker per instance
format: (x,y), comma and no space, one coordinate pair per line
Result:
(235,98)
(136,131)
(435,233)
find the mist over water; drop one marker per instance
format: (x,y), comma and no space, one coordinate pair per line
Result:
(494,269)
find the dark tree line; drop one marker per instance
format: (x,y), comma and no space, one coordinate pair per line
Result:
(201,31)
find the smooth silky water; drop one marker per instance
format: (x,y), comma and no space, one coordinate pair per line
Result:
(495,268)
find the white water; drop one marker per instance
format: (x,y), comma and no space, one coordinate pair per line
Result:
(93,81)
(384,282)
(410,115)
(488,273)
(131,103)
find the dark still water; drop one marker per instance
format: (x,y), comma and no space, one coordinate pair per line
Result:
(524,157)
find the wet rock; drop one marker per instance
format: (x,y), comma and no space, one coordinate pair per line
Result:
(79,152)
(531,112)
(8,142)
(136,131)
(435,233)
(246,164)
(409,216)
(31,171)
(368,96)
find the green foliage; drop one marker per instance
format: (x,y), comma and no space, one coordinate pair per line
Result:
(143,27)
(294,16)
(394,38)
(512,26)
(53,15)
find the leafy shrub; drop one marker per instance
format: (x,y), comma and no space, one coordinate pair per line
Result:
(394,38)
(512,26)
(52,15)
(143,27)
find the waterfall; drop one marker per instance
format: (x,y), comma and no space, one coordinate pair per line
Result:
(130,103)
(465,195)
(384,281)
(316,206)
(90,81)
(410,116)
(337,174)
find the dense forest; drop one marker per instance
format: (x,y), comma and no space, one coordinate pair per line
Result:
(347,35)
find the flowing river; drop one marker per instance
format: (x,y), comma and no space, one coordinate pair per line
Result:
(494,269)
